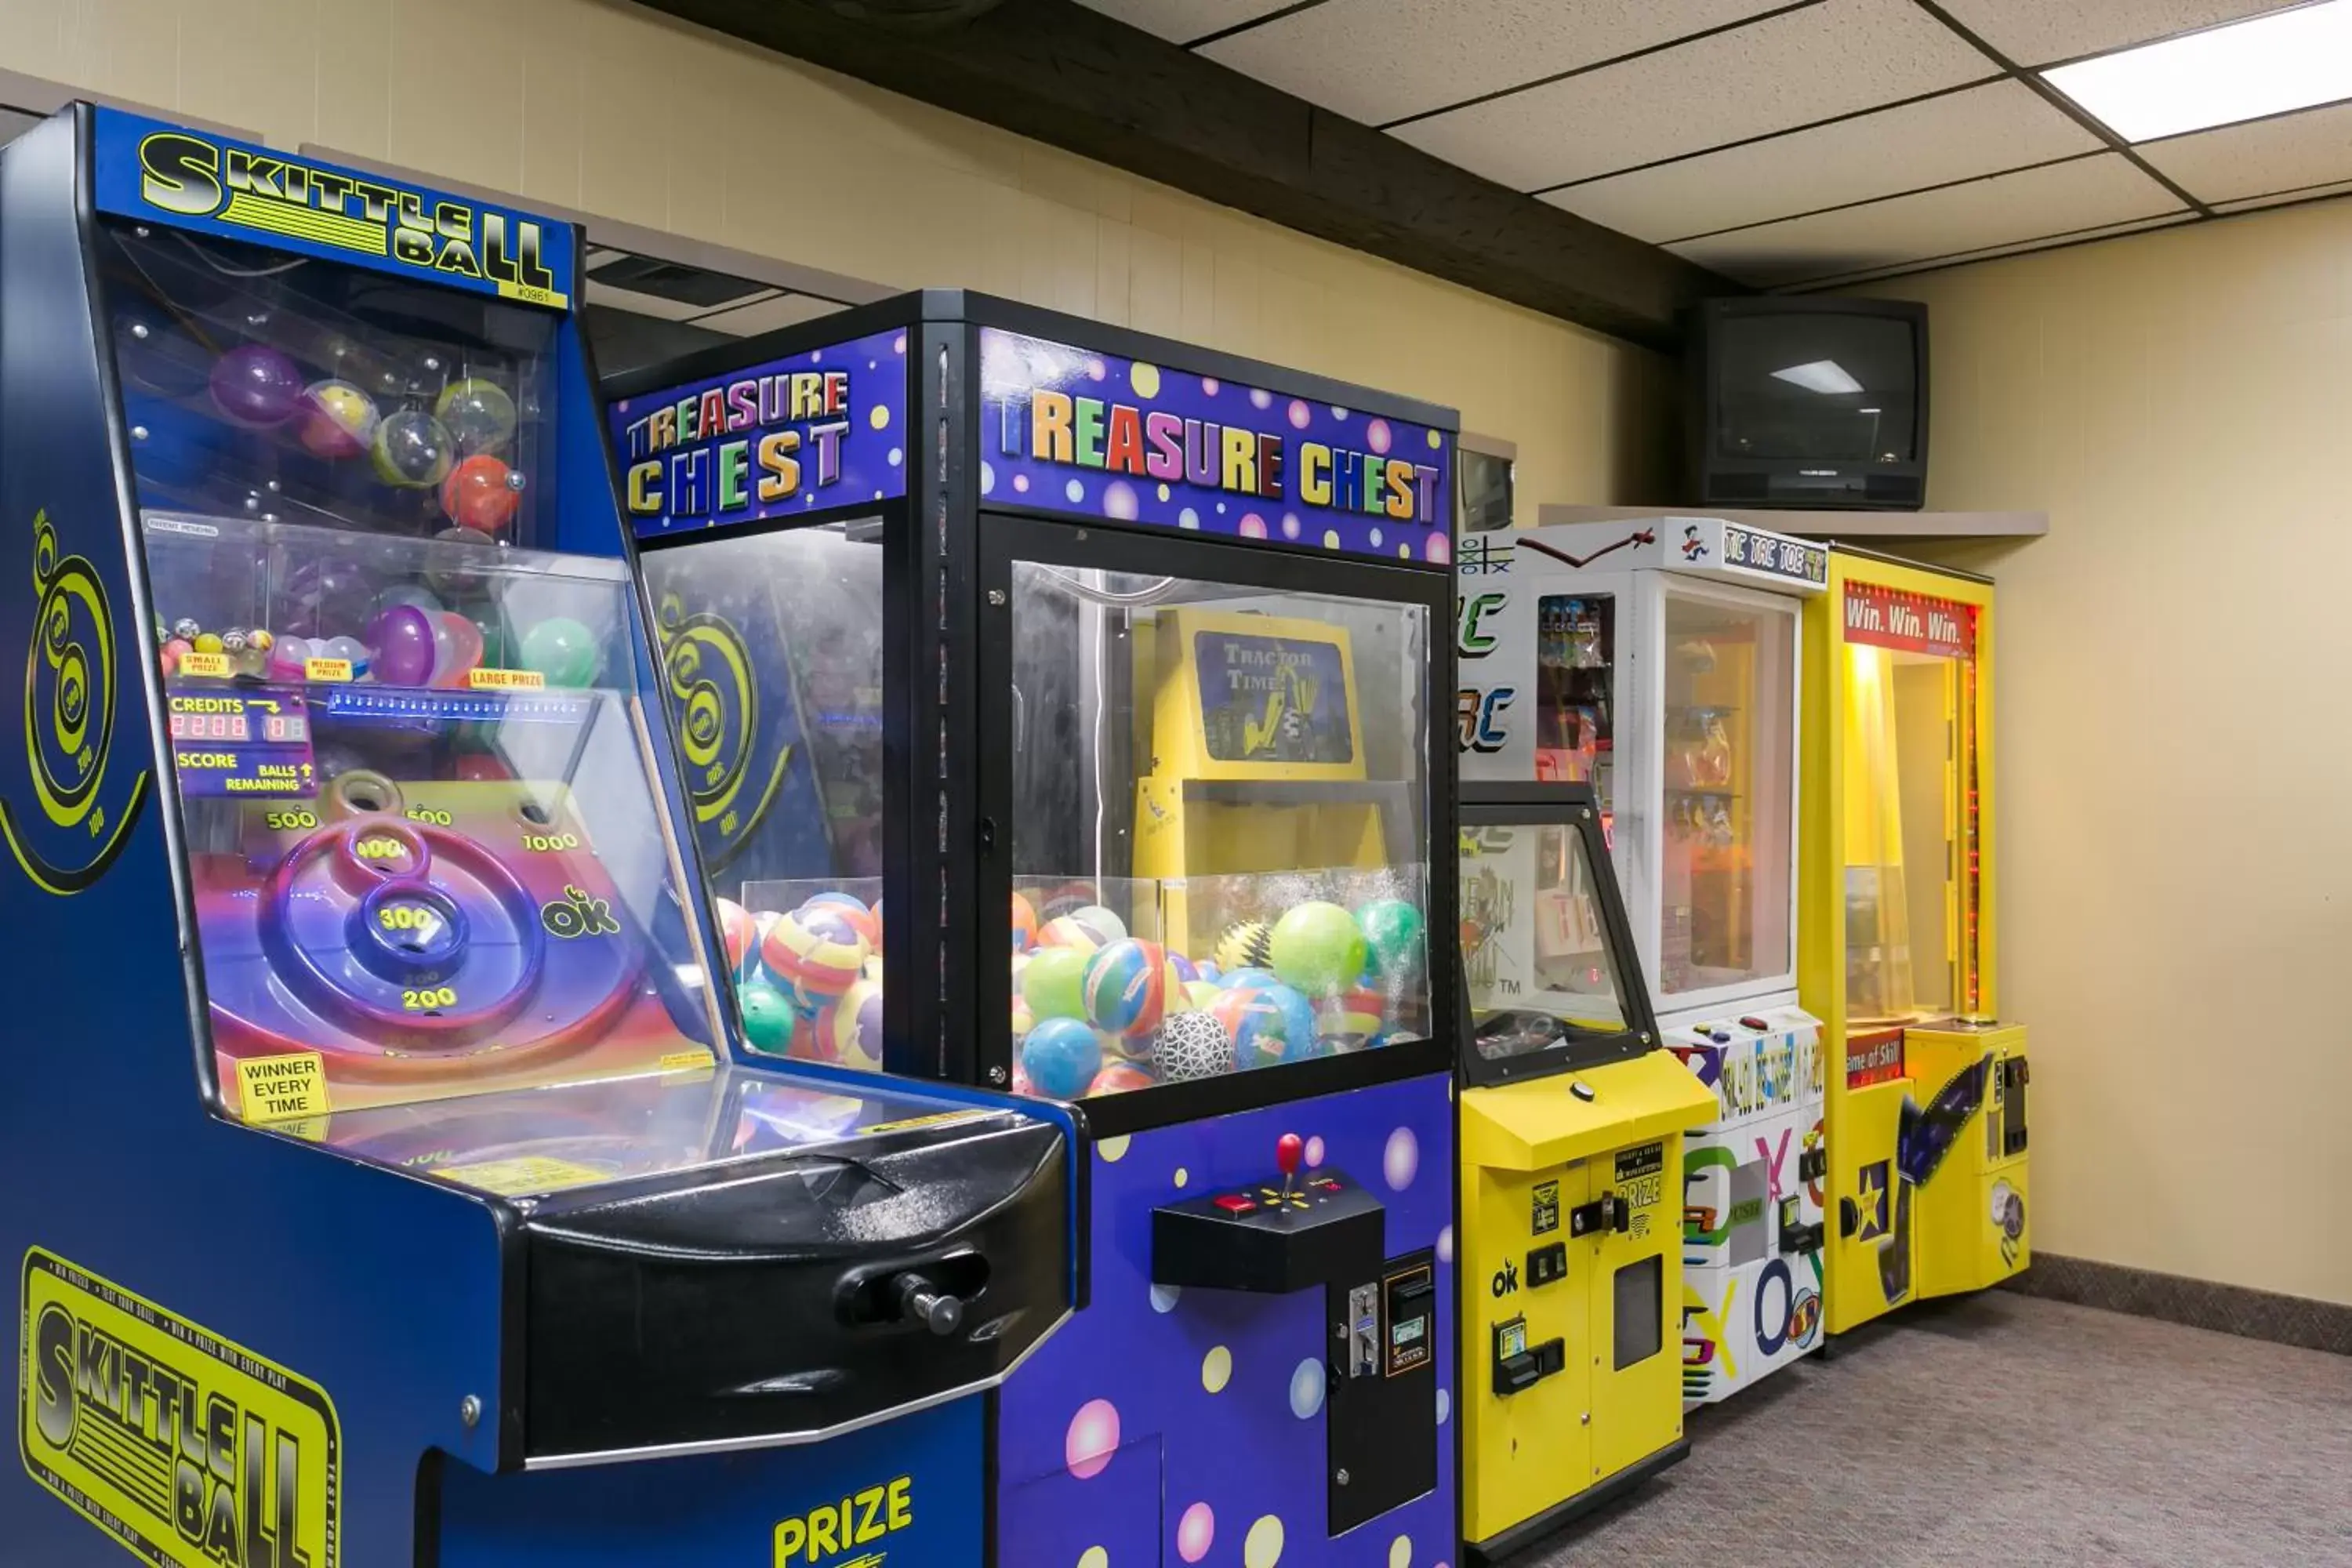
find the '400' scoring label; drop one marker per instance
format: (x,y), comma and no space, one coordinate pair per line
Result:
(193,1452)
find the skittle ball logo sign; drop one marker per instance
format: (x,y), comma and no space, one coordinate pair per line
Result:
(820,429)
(190,1451)
(150,170)
(1070,430)
(70,681)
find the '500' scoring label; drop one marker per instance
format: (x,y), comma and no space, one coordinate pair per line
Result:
(193,1452)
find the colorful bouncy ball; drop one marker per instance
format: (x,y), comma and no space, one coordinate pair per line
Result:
(736,933)
(1317,947)
(1024,923)
(410,450)
(336,419)
(1127,985)
(1396,939)
(816,950)
(1243,944)
(478,414)
(561,649)
(1054,983)
(482,493)
(256,386)
(1121,1077)
(854,1032)
(1191,1046)
(768,1018)
(1267,1025)
(1069,932)
(1061,1056)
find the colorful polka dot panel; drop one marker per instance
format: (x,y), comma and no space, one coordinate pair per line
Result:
(1075,430)
(1168,1427)
(821,427)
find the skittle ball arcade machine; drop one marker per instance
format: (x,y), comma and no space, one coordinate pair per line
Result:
(1572,1124)
(387,1189)
(1146,646)
(1927,1092)
(1657,659)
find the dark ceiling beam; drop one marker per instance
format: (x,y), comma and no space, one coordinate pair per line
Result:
(1055,72)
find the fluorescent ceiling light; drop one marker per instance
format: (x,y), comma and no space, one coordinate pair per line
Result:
(2265,65)
(1821,376)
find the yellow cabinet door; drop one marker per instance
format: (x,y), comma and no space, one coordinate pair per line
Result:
(1636,1286)
(1869,1255)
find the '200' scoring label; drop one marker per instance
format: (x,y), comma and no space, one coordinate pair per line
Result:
(190,1451)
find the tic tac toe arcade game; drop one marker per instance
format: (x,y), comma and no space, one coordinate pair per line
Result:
(1060,707)
(1926,1082)
(384,1185)
(1657,659)
(1573,1123)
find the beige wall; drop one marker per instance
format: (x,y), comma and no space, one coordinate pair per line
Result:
(2174,725)
(596,106)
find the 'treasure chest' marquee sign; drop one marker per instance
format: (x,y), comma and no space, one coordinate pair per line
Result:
(1073,430)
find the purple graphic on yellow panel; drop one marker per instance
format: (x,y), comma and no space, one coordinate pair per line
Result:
(824,427)
(1073,430)
(1182,1426)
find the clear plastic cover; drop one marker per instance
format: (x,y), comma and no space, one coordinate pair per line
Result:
(1576,672)
(427,853)
(1728,738)
(1219,802)
(1537,949)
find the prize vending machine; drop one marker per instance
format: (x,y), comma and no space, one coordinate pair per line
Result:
(1656,660)
(1059,708)
(1573,1122)
(389,1186)
(1927,1091)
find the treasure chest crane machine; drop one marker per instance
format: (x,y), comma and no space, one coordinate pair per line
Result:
(1656,658)
(1572,1126)
(1064,719)
(393,1192)
(1927,1083)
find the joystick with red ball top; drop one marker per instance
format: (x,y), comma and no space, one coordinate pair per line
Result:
(1289,1150)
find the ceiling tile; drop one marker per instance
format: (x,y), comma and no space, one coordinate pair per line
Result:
(1978,130)
(2313,148)
(1793,69)
(2279,198)
(1380,60)
(1181,21)
(1990,252)
(2007,209)
(2043,32)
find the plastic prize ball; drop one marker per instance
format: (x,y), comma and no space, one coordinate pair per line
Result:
(736,930)
(1121,1077)
(478,414)
(481,493)
(256,386)
(402,636)
(1054,983)
(1127,985)
(1317,947)
(1107,927)
(1395,938)
(337,419)
(411,449)
(1024,923)
(855,1035)
(1192,1045)
(457,649)
(1061,1056)
(561,649)
(1069,932)
(853,910)
(1199,995)
(816,950)
(768,1019)
(1245,944)
(1274,1024)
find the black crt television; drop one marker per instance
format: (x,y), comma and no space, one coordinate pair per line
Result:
(1816,402)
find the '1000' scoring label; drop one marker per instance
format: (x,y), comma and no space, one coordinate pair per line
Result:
(190,1451)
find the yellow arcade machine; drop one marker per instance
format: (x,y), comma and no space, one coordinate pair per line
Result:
(1572,1128)
(1927,1081)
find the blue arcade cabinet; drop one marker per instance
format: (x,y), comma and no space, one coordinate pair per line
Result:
(387,1181)
(1070,711)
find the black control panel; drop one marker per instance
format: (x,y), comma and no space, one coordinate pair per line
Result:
(1380,1406)
(1519,1365)
(2015,1075)
(1271,1237)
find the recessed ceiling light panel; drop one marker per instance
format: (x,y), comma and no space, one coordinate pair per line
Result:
(2270,64)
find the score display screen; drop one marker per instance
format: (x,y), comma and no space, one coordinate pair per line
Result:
(255,743)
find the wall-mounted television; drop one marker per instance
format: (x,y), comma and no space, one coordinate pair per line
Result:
(1805,402)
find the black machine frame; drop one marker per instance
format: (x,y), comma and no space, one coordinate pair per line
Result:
(1576,807)
(945,731)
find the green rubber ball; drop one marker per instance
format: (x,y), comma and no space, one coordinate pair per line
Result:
(768,1020)
(1395,935)
(1317,948)
(561,649)
(1054,983)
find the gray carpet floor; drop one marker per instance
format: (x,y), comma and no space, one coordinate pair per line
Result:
(2000,1431)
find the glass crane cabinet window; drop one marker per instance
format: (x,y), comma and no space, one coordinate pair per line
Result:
(1217,800)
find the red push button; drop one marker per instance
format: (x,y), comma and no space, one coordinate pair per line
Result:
(1235,1203)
